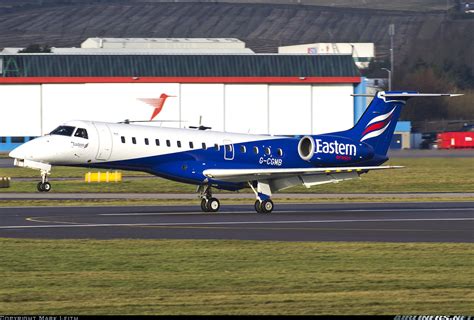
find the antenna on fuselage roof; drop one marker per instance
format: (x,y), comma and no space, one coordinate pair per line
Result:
(128,121)
(201,127)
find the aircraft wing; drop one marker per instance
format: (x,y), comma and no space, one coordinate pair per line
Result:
(285,178)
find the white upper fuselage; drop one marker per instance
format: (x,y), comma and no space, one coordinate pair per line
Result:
(111,142)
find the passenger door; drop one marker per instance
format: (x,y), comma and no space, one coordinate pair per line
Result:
(104,137)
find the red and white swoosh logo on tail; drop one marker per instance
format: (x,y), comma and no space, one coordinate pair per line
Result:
(377,126)
(156,103)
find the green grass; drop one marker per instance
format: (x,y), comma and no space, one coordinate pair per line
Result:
(234,277)
(420,175)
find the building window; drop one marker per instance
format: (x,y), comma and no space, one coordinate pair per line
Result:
(204,146)
(123,139)
(168,143)
(146,141)
(268,151)
(18,139)
(255,150)
(134,141)
(243,149)
(157,142)
(280,152)
(191,145)
(179,144)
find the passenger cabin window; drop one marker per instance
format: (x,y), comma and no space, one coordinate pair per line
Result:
(63,131)
(228,148)
(216,146)
(255,150)
(134,141)
(81,133)
(268,151)
(204,146)
(157,142)
(146,141)
(168,143)
(191,145)
(179,144)
(243,149)
(280,152)
(123,139)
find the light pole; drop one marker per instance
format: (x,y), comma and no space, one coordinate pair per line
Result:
(389,78)
(391,33)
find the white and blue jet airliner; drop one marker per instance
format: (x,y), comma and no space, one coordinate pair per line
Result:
(223,160)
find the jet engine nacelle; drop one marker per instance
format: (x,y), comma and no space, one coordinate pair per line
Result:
(326,149)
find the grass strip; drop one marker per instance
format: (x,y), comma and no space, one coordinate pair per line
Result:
(420,175)
(234,277)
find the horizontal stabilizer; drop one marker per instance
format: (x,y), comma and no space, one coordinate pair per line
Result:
(410,95)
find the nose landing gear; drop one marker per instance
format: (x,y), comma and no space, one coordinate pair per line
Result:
(44,185)
(44,168)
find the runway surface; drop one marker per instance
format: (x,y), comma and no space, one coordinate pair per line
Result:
(392,222)
(241,195)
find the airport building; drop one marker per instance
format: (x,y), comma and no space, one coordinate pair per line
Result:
(362,52)
(222,85)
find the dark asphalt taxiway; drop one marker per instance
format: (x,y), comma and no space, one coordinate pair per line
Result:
(394,222)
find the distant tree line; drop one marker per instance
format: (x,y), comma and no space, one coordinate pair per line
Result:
(442,66)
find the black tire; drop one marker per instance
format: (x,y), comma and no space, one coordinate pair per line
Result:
(46,187)
(213,205)
(267,206)
(258,206)
(39,186)
(204,205)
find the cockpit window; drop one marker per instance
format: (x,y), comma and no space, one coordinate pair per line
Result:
(63,131)
(81,133)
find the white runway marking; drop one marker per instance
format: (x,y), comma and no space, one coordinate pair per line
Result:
(287,211)
(222,223)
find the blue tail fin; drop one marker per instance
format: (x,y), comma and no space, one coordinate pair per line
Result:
(376,126)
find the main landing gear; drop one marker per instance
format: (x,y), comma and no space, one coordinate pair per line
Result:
(44,185)
(208,203)
(263,204)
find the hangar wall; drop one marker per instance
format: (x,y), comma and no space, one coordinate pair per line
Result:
(36,109)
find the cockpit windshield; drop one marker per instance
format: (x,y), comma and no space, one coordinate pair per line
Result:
(63,131)
(81,133)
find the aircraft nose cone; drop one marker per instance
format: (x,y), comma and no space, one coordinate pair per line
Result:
(17,153)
